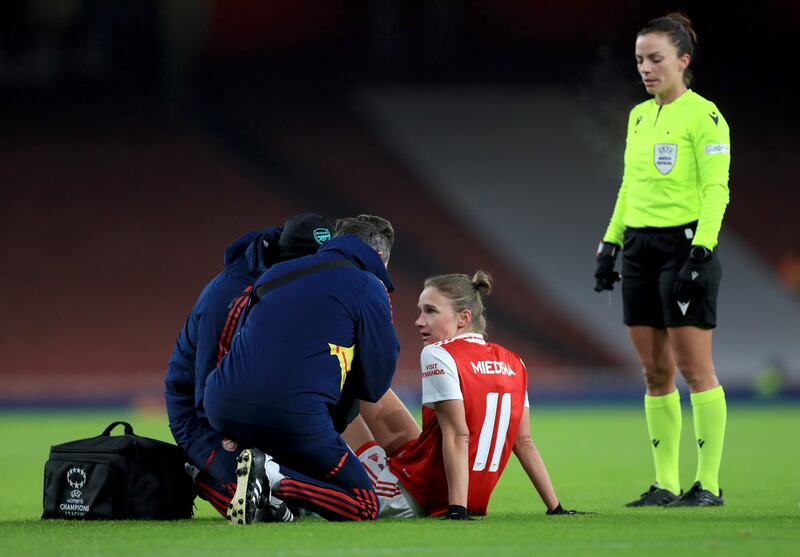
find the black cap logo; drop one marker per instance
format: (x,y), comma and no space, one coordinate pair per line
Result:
(322,235)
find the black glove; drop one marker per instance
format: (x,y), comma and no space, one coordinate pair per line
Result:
(561,510)
(605,274)
(457,512)
(692,280)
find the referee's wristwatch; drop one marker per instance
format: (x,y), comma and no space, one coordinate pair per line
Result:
(700,254)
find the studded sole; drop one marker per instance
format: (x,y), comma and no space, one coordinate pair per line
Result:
(237,508)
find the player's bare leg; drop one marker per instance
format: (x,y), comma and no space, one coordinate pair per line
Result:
(357,434)
(390,422)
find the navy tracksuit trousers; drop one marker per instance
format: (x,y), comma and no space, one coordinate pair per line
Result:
(322,473)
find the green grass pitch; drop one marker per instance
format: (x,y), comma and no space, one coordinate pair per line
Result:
(598,457)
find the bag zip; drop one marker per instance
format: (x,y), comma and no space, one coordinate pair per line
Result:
(87,451)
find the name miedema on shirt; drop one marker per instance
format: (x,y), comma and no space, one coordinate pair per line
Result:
(488,367)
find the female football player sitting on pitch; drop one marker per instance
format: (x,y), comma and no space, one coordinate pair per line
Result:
(475,413)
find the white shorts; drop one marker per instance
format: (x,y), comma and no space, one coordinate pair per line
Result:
(395,501)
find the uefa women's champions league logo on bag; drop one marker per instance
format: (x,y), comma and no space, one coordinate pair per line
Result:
(76,478)
(117,477)
(74,505)
(664,156)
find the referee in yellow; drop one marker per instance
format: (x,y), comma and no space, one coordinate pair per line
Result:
(666,221)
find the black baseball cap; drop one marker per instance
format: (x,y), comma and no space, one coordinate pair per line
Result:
(303,234)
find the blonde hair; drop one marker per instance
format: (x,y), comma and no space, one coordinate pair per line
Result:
(465,293)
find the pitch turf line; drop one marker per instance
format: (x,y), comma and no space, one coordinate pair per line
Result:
(598,458)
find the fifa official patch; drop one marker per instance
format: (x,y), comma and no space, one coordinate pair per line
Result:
(664,156)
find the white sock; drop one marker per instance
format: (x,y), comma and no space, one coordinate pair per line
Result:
(273,472)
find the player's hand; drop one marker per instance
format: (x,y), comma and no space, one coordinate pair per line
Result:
(457,512)
(561,510)
(605,275)
(692,280)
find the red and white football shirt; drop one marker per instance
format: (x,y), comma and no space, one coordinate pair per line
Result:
(493,383)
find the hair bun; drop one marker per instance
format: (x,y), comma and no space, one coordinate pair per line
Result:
(482,282)
(686,23)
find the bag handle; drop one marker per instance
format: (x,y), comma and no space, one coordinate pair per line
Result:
(128,428)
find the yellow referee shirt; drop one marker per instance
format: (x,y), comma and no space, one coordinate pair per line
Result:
(677,158)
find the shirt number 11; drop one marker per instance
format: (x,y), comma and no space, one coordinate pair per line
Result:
(487,431)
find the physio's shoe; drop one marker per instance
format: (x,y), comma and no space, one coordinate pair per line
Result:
(275,513)
(698,497)
(654,497)
(252,487)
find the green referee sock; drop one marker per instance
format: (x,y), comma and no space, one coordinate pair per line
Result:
(710,414)
(664,425)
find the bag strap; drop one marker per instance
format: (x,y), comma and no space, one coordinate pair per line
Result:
(269,286)
(291,276)
(128,428)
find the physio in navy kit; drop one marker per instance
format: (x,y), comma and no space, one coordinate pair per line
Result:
(206,337)
(316,322)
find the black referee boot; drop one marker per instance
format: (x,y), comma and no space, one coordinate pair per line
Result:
(698,497)
(654,497)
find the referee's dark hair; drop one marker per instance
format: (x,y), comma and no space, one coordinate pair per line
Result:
(681,35)
(376,232)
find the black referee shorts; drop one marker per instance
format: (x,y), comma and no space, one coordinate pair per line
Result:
(651,259)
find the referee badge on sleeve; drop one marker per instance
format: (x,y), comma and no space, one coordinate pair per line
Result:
(717,149)
(664,156)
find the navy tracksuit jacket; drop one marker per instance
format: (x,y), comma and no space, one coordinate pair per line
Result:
(285,371)
(202,342)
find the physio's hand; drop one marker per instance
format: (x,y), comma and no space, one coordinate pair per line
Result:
(605,274)
(457,512)
(692,280)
